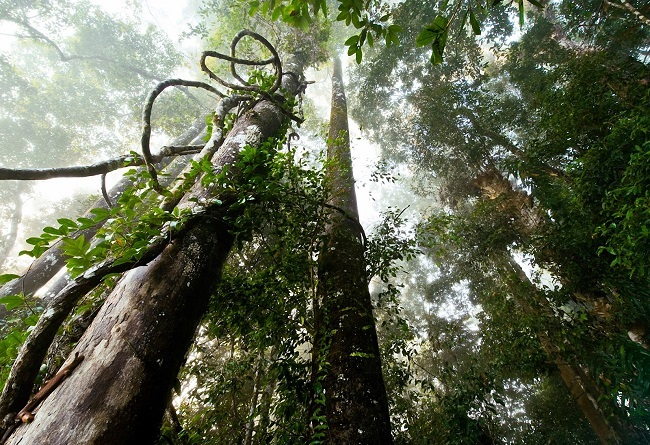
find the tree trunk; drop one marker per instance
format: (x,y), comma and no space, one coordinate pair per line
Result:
(8,240)
(346,353)
(581,390)
(134,348)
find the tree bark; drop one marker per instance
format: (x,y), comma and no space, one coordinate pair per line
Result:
(134,348)
(346,352)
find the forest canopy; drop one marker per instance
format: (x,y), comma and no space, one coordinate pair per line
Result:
(325,222)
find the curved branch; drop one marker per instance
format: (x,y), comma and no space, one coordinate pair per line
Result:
(99,168)
(146,119)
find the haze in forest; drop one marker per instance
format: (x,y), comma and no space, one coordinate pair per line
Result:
(443,240)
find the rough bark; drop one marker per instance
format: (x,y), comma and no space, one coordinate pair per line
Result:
(135,346)
(346,352)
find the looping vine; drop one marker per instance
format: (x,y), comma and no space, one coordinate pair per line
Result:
(293,136)
(243,85)
(234,61)
(146,120)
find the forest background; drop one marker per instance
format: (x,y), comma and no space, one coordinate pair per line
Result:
(505,147)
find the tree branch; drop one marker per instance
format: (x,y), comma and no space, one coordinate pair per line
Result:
(501,140)
(38,35)
(627,6)
(99,168)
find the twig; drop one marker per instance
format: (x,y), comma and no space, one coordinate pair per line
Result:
(25,415)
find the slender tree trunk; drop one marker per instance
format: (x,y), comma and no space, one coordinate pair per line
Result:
(346,353)
(135,346)
(9,239)
(582,391)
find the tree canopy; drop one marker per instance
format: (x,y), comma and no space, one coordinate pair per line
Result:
(225,289)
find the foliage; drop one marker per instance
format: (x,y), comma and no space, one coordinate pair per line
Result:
(373,19)
(14,329)
(567,144)
(626,205)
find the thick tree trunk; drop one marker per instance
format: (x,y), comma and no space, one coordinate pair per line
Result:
(134,348)
(346,352)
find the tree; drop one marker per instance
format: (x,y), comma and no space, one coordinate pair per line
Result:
(350,398)
(182,273)
(509,149)
(290,308)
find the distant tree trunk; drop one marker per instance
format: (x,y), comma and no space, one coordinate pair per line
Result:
(135,346)
(346,352)
(577,381)
(8,240)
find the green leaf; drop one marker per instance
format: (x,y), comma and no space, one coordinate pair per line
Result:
(359,56)
(277,12)
(12,301)
(67,223)
(436,55)
(100,213)
(425,38)
(5,278)
(522,16)
(463,20)
(34,241)
(536,3)
(85,222)
(352,41)
(253,7)
(475,25)
(52,231)
(440,23)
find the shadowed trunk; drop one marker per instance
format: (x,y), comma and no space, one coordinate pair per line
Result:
(346,358)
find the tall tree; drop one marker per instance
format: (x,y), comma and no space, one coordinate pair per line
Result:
(350,392)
